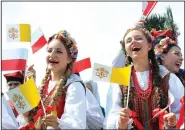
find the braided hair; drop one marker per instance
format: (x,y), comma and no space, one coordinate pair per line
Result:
(69,43)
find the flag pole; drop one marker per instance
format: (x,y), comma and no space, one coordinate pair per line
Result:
(128,92)
(42,104)
(43,107)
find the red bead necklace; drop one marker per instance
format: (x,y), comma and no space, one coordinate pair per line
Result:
(143,94)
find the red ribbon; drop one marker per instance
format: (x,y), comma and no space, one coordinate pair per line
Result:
(136,122)
(167,33)
(160,117)
(181,118)
(28,126)
(40,112)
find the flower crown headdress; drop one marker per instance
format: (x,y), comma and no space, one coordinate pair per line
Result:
(65,37)
(163,31)
(163,45)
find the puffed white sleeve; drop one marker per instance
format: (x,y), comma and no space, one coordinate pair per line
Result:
(74,116)
(108,100)
(95,116)
(8,121)
(96,94)
(112,117)
(177,90)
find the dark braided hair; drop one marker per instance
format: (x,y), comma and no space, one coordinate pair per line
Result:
(157,79)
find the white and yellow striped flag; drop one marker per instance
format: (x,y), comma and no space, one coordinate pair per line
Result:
(18,32)
(112,75)
(25,97)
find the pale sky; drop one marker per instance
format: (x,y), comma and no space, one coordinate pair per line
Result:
(97,27)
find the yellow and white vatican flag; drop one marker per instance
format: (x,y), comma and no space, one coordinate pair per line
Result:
(113,75)
(25,97)
(18,32)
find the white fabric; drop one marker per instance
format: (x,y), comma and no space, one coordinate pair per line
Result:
(182,127)
(51,85)
(143,79)
(74,116)
(119,60)
(21,120)
(109,100)
(95,116)
(175,87)
(95,89)
(8,118)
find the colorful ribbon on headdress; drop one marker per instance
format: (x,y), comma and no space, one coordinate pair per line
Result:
(181,118)
(167,33)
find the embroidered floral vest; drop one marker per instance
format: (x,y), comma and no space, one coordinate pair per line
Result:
(144,108)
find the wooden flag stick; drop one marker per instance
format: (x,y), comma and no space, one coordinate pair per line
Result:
(43,107)
(128,93)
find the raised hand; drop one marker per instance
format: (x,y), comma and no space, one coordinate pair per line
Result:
(140,23)
(31,72)
(124,118)
(170,120)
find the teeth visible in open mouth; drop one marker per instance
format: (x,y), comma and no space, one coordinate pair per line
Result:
(136,49)
(53,62)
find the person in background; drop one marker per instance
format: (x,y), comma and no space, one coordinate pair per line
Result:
(93,87)
(8,117)
(14,80)
(164,35)
(95,117)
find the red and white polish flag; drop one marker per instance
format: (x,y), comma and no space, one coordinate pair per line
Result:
(37,40)
(147,7)
(81,65)
(14,59)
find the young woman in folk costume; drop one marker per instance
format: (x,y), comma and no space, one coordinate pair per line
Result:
(62,92)
(150,86)
(165,42)
(166,48)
